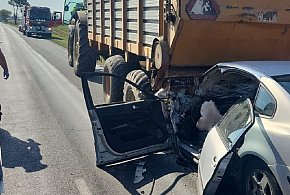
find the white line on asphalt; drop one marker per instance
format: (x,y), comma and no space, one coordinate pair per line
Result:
(83,187)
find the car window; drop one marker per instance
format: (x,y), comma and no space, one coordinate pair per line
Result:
(235,121)
(284,81)
(285,85)
(265,103)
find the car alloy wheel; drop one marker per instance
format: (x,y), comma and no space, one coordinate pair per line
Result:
(258,184)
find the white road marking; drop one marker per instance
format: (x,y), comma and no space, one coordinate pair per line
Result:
(83,187)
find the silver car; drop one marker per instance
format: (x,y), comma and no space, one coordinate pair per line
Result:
(250,144)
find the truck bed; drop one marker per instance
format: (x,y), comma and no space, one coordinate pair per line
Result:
(203,33)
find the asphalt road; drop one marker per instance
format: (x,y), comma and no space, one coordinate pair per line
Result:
(45,133)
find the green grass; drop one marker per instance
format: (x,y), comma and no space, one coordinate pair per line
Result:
(60,35)
(12,24)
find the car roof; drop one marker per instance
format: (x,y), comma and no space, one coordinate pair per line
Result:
(261,68)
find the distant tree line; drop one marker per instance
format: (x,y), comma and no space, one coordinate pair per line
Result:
(5,14)
(16,4)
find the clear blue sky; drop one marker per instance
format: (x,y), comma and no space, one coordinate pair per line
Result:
(54,5)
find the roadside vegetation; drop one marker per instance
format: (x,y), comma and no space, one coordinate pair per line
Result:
(5,14)
(60,35)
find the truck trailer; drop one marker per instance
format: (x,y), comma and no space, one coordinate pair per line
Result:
(173,37)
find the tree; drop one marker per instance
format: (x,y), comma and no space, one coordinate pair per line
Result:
(16,4)
(4,14)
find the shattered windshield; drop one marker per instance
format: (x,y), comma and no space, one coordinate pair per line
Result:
(40,14)
(284,81)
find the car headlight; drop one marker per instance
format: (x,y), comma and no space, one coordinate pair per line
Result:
(49,29)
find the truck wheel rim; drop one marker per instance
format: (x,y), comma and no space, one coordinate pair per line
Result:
(258,184)
(107,86)
(130,97)
(77,45)
(76,48)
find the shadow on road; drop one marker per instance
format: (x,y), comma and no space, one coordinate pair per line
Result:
(157,166)
(41,37)
(19,153)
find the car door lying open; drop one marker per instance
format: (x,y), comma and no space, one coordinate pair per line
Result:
(221,143)
(124,130)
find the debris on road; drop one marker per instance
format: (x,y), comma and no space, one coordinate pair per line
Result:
(139,172)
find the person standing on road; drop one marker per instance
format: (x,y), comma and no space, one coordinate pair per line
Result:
(3,63)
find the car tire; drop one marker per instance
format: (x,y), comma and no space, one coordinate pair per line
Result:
(132,93)
(84,58)
(256,171)
(113,86)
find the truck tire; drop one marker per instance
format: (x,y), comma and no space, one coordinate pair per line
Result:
(84,58)
(113,86)
(70,45)
(132,93)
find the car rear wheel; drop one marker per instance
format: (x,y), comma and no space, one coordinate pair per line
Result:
(258,180)
(132,93)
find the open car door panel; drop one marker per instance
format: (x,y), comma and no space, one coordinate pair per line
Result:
(220,145)
(126,130)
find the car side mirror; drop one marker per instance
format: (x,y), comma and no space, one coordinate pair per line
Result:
(66,8)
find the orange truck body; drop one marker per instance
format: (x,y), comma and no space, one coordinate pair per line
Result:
(198,32)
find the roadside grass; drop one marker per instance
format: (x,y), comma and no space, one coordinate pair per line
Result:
(12,23)
(60,35)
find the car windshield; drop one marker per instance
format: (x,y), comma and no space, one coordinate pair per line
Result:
(284,81)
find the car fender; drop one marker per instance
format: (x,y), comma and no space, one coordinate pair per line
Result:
(257,143)
(283,178)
